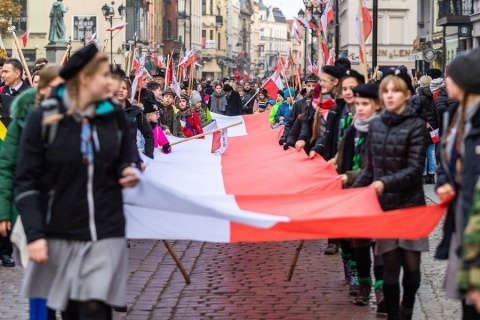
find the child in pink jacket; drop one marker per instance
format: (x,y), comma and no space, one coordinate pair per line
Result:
(152,114)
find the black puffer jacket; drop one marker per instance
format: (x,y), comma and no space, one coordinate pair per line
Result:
(444,104)
(327,145)
(424,106)
(135,114)
(297,109)
(396,150)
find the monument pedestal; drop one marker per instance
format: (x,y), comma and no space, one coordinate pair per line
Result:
(55,52)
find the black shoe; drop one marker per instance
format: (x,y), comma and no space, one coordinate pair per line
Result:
(120,309)
(7,261)
(430,179)
(381,306)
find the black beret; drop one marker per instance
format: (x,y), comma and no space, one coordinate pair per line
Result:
(343,63)
(333,71)
(464,70)
(312,77)
(402,74)
(78,61)
(354,74)
(434,73)
(149,105)
(227,88)
(369,90)
(225,79)
(160,73)
(280,92)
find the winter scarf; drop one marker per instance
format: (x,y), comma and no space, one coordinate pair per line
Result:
(325,106)
(436,84)
(362,125)
(187,112)
(218,102)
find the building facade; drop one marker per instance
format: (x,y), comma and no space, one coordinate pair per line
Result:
(397,29)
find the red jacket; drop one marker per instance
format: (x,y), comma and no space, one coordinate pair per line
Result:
(192,125)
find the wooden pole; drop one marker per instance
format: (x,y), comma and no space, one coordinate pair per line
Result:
(295,259)
(67,53)
(204,134)
(22,58)
(166,75)
(177,261)
(364,51)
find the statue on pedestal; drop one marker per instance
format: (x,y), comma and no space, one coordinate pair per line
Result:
(57,25)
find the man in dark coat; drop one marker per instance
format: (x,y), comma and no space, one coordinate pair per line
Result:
(248,92)
(234,102)
(12,72)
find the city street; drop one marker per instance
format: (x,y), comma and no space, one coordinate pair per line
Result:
(244,281)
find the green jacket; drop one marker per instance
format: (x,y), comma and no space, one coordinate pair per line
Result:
(468,277)
(21,108)
(273,112)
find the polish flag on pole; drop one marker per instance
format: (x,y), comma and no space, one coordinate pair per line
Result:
(137,81)
(25,38)
(248,205)
(174,85)
(305,23)
(246,76)
(327,17)
(296,34)
(93,38)
(273,84)
(117,27)
(363,28)
(159,61)
(220,141)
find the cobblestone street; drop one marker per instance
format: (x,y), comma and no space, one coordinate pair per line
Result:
(244,281)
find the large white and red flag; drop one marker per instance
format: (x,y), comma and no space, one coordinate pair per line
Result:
(273,84)
(327,17)
(363,17)
(246,76)
(25,38)
(139,65)
(296,35)
(255,191)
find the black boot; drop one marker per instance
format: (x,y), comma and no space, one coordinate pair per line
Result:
(391,294)
(406,313)
(430,179)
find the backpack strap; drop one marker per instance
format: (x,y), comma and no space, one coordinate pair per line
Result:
(436,94)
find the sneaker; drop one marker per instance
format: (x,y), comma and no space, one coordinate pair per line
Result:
(354,285)
(363,297)
(381,307)
(331,249)
(406,313)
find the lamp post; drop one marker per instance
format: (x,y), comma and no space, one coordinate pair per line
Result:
(109,14)
(315,15)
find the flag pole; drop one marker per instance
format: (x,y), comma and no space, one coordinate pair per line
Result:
(204,134)
(67,54)
(25,66)
(364,50)
(285,78)
(166,74)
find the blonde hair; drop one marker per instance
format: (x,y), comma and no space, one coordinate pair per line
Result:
(425,81)
(47,75)
(73,86)
(397,82)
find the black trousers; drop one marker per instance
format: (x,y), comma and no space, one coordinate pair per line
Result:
(6,247)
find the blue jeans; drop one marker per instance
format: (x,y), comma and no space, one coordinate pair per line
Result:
(430,162)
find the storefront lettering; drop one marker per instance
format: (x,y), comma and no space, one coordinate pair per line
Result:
(390,54)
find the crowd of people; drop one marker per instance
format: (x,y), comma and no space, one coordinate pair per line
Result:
(74,140)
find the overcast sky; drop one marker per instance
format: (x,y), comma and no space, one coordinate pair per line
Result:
(289,7)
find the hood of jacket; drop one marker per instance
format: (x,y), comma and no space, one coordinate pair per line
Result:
(393,119)
(426,92)
(23,105)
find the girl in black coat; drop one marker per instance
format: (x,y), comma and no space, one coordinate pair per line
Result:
(396,149)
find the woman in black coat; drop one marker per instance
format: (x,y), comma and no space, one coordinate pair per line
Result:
(457,176)
(396,149)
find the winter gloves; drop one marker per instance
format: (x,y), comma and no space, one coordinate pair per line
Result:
(166,148)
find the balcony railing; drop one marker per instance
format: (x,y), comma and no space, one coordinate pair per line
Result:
(454,12)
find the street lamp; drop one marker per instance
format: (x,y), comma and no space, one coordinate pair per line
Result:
(109,14)
(315,15)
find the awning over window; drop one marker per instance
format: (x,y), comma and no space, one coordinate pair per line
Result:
(211,66)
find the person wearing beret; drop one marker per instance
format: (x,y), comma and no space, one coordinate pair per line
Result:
(458,181)
(351,160)
(69,193)
(189,119)
(234,102)
(396,149)
(293,125)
